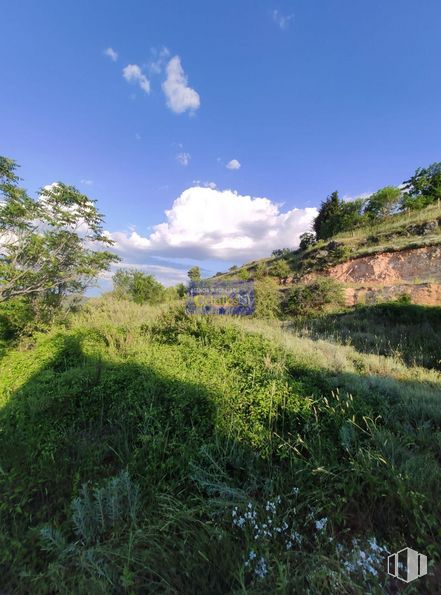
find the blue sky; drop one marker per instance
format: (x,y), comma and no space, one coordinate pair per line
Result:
(307,97)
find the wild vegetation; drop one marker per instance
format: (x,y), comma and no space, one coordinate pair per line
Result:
(143,449)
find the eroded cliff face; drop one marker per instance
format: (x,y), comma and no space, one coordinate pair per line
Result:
(391,268)
(415,271)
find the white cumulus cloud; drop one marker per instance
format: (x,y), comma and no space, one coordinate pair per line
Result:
(205,223)
(111,53)
(133,74)
(180,97)
(183,158)
(233,164)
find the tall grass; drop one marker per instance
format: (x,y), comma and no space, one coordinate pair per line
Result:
(147,451)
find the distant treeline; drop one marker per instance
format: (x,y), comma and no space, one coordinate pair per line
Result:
(337,215)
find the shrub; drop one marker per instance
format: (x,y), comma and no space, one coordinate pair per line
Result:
(315,297)
(267,298)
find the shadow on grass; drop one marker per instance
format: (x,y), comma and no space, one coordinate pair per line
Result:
(410,331)
(82,419)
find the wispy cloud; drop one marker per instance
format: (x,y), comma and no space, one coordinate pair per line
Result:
(233,164)
(133,74)
(158,59)
(87,182)
(183,158)
(180,97)
(282,21)
(111,53)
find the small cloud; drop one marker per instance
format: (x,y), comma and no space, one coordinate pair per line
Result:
(233,164)
(87,182)
(211,185)
(132,73)
(282,21)
(138,136)
(159,58)
(183,158)
(180,97)
(110,52)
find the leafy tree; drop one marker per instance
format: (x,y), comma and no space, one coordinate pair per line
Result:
(49,247)
(282,270)
(381,203)
(306,239)
(423,188)
(350,215)
(325,224)
(194,274)
(181,290)
(281,252)
(138,287)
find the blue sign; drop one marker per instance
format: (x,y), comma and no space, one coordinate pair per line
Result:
(235,298)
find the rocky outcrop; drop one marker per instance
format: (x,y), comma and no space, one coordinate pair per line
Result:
(415,272)
(389,268)
(427,294)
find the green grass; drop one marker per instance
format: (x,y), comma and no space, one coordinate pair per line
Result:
(142,450)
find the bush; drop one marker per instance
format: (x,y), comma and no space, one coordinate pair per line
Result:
(267,298)
(315,297)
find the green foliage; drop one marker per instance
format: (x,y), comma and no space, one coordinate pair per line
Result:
(260,271)
(306,239)
(423,188)
(144,436)
(325,224)
(137,286)
(47,245)
(281,252)
(281,269)
(194,274)
(181,290)
(267,299)
(383,202)
(243,274)
(314,297)
(15,315)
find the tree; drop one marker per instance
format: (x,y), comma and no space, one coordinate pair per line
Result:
(281,270)
(194,274)
(381,203)
(325,223)
(306,239)
(423,188)
(281,252)
(49,247)
(181,290)
(138,287)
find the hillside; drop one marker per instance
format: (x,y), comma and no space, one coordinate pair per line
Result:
(166,453)
(414,236)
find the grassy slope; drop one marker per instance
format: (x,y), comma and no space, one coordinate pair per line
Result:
(388,236)
(208,415)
